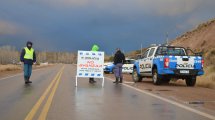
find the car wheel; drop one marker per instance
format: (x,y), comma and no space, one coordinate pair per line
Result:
(106,72)
(191,81)
(112,71)
(135,76)
(155,77)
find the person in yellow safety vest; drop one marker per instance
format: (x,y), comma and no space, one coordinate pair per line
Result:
(94,48)
(28,57)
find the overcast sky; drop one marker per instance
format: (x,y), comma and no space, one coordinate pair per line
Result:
(71,25)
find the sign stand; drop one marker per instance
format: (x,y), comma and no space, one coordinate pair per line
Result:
(90,65)
(76,81)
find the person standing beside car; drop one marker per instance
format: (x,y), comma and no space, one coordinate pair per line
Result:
(119,59)
(28,57)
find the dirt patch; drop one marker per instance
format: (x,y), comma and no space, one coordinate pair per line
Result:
(8,70)
(207,80)
(10,67)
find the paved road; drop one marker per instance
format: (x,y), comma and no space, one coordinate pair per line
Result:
(53,96)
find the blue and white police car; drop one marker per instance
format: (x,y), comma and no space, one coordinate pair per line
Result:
(164,62)
(126,68)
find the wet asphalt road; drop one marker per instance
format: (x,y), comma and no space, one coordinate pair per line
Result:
(63,101)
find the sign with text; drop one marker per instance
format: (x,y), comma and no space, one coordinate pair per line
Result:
(90,64)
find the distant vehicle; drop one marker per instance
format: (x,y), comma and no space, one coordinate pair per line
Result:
(108,67)
(163,63)
(126,68)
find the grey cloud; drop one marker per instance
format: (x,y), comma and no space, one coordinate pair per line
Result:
(161,7)
(10,28)
(76,24)
(7,28)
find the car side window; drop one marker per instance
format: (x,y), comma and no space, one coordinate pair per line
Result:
(132,61)
(129,62)
(151,52)
(145,54)
(126,62)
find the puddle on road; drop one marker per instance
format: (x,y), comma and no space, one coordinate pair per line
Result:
(134,96)
(196,102)
(162,90)
(199,102)
(28,89)
(157,104)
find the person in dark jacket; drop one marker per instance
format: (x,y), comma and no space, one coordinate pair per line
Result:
(28,57)
(119,59)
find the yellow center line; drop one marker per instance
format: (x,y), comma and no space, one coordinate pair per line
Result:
(46,108)
(34,110)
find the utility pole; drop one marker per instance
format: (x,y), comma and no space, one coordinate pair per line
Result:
(167,38)
(45,56)
(141,49)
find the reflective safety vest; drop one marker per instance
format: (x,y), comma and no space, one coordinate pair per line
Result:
(29,53)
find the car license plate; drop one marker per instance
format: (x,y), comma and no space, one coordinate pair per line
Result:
(184,71)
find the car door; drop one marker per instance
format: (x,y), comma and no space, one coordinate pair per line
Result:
(126,67)
(142,62)
(149,61)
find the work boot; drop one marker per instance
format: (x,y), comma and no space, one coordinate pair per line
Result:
(91,80)
(28,80)
(117,80)
(121,79)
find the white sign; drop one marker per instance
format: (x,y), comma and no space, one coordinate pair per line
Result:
(90,64)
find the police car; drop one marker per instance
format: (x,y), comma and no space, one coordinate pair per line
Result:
(126,68)
(108,67)
(165,62)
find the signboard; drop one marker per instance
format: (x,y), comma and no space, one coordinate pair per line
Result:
(90,64)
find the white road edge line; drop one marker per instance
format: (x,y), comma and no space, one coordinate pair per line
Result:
(170,101)
(18,74)
(128,82)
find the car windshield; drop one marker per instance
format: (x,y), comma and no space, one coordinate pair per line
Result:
(166,50)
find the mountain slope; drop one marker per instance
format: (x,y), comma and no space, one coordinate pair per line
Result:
(201,38)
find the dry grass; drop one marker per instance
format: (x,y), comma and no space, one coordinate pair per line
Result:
(9,67)
(209,57)
(207,80)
